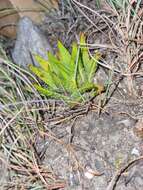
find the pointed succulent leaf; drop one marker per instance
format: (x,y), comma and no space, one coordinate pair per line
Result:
(74,51)
(74,56)
(64,55)
(57,67)
(71,85)
(51,93)
(98,89)
(42,62)
(84,51)
(86,87)
(54,62)
(81,70)
(92,66)
(44,76)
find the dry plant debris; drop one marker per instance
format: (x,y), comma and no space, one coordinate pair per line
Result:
(30,125)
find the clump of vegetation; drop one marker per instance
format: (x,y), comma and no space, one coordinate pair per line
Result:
(68,76)
(118,3)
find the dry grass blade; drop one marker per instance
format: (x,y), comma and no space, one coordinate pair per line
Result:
(19,129)
(124,37)
(116,177)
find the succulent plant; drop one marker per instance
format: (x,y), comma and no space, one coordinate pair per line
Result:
(68,76)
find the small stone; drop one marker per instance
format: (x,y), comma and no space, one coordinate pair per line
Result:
(125,122)
(135,151)
(89,174)
(30,40)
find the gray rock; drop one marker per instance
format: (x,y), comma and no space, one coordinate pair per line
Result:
(30,40)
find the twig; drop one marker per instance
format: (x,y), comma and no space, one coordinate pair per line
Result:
(117,175)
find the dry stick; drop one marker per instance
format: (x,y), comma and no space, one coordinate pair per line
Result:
(34,167)
(7,124)
(116,70)
(90,20)
(108,67)
(116,177)
(104,18)
(37,170)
